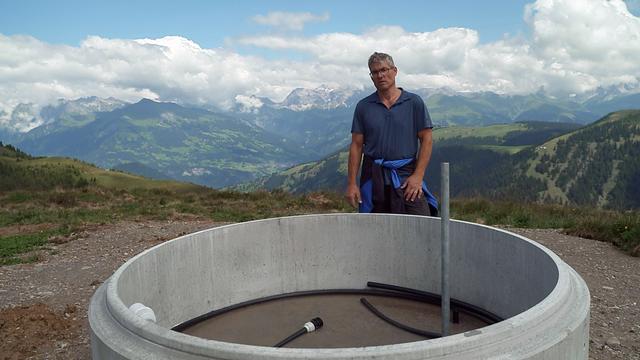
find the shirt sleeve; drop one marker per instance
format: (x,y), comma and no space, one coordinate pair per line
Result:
(357,126)
(421,115)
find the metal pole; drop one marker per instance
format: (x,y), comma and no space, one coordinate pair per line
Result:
(444,261)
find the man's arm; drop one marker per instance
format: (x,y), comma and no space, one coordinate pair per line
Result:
(355,157)
(413,184)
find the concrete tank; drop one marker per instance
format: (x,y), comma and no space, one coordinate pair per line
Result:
(544,302)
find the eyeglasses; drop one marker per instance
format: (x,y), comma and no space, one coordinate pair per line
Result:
(382,72)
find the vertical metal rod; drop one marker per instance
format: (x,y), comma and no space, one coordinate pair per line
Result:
(444,221)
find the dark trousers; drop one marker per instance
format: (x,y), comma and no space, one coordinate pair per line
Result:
(416,207)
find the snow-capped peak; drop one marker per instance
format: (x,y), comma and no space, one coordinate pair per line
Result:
(26,116)
(321,97)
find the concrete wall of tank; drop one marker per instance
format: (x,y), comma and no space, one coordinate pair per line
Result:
(545,303)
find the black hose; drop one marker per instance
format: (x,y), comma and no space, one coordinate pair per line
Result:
(426,296)
(435,299)
(425,333)
(312,325)
(291,337)
(378,289)
(211,314)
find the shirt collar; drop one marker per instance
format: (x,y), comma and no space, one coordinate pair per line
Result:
(404,96)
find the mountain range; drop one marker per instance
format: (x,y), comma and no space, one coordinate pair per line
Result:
(258,136)
(320,119)
(185,144)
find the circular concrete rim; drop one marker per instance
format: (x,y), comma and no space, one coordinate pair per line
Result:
(565,307)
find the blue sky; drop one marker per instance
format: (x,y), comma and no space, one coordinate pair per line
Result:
(210,23)
(229,53)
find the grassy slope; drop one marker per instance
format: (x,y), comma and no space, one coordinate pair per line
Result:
(111,179)
(70,195)
(31,218)
(478,132)
(502,148)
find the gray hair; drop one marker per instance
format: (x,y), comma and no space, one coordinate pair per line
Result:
(380,57)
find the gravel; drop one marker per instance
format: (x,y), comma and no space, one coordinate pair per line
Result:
(43,306)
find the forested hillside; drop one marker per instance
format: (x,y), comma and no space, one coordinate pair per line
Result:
(599,164)
(485,152)
(596,165)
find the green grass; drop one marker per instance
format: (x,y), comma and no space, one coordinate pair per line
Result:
(111,196)
(499,130)
(503,149)
(17,197)
(54,172)
(78,208)
(620,228)
(12,247)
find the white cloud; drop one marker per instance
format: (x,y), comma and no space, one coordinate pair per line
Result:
(596,39)
(288,20)
(574,46)
(248,103)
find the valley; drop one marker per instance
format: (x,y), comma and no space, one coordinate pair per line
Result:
(258,137)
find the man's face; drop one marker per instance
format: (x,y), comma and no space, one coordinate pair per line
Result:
(383,75)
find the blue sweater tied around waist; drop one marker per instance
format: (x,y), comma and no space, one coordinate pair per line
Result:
(371,182)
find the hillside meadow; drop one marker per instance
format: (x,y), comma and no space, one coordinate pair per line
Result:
(45,200)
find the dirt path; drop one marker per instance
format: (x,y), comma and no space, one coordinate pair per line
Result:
(43,306)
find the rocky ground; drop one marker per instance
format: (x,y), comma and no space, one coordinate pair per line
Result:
(43,306)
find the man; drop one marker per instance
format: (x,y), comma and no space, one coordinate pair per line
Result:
(393,129)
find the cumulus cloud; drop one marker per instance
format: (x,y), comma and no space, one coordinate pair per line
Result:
(289,20)
(248,103)
(589,43)
(573,46)
(169,69)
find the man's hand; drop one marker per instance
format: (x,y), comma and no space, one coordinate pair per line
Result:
(412,187)
(353,195)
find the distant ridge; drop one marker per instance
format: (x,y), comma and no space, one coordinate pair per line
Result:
(142,170)
(188,144)
(257,136)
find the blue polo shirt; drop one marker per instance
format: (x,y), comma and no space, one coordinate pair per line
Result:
(391,134)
